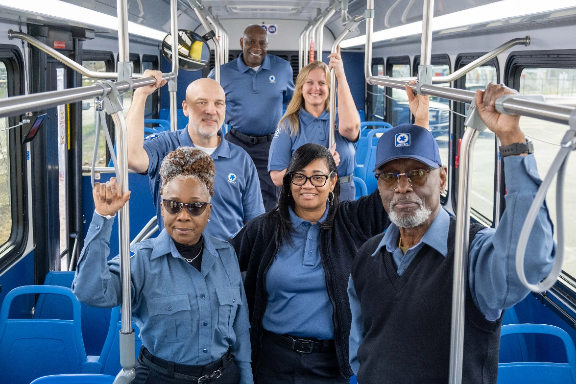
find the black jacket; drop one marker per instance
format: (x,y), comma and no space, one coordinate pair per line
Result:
(256,246)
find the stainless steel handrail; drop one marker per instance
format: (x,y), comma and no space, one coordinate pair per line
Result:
(18,105)
(173,84)
(302,46)
(330,11)
(426,46)
(63,59)
(200,13)
(87,169)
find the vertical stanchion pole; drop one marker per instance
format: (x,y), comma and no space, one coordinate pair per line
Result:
(173,82)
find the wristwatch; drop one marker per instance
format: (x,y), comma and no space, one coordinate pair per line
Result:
(517,149)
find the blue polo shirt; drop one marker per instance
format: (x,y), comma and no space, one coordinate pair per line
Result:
(298,302)
(311,130)
(237,197)
(254,99)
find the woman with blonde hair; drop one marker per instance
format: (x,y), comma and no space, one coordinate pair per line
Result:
(307,120)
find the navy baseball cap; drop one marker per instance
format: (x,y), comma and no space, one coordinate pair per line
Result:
(408,141)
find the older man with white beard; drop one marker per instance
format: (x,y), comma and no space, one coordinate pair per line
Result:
(237,198)
(400,288)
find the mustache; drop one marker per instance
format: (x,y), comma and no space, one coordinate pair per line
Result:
(402,200)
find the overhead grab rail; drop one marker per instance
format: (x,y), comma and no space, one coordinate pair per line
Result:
(513,105)
(202,15)
(149,229)
(350,25)
(302,46)
(327,15)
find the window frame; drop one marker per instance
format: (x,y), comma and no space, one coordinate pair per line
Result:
(12,249)
(390,62)
(457,131)
(565,287)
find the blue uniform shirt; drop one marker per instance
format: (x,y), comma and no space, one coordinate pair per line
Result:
(298,302)
(237,197)
(311,130)
(184,315)
(492,276)
(254,99)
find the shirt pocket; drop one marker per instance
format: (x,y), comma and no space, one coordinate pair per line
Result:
(170,317)
(228,302)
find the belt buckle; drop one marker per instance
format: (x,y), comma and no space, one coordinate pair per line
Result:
(253,140)
(303,343)
(208,378)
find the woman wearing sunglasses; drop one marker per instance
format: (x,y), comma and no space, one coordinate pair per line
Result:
(187,293)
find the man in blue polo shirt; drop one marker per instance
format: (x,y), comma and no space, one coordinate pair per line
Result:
(237,197)
(256,86)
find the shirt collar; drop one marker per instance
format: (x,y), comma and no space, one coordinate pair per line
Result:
(242,67)
(307,118)
(164,246)
(297,220)
(223,149)
(435,236)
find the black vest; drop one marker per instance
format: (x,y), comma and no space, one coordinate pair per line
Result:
(407,319)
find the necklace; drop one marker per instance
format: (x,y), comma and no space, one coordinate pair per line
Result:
(195,257)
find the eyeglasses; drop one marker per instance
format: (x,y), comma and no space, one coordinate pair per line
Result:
(316,180)
(416,178)
(175,207)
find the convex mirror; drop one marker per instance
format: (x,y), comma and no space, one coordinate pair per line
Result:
(193,51)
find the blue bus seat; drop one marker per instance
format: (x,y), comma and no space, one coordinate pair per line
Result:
(75,379)
(361,189)
(364,170)
(364,126)
(160,125)
(95,321)
(539,372)
(182,119)
(110,357)
(513,347)
(32,348)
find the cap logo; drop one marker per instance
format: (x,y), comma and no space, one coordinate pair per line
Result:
(402,140)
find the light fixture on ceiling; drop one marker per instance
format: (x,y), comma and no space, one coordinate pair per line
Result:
(263,9)
(500,10)
(65,11)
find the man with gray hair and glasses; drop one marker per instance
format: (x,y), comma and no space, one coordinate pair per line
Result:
(400,288)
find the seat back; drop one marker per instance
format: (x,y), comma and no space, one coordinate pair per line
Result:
(372,138)
(95,321)
(31,348)
(364,126)
(513,348)
(539,372)
(110,357)
(75,379)
(360,188)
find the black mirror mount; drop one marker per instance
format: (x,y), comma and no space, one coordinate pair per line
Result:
(193,50)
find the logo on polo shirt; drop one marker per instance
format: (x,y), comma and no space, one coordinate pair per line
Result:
(151,137)
(232,178)
(402,140)
(277,133)
(272,79)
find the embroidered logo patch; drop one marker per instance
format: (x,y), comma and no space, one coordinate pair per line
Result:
(232,178)
(272,79)
(151,137)
(277,133)
(402,140)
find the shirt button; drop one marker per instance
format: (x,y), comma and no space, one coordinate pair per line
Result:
(205,323)
(169,308)
(233,300)
(202,296)
(97,227)
(205,350)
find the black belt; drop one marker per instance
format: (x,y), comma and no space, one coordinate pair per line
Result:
(346,179)
(248,139)
(299,344)
(195,373)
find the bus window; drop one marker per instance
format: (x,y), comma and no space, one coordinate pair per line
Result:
(89,119)
(5,199)
(151,107)
(546,138)
(400,110)
(376,103)
(127,96)
(484,159)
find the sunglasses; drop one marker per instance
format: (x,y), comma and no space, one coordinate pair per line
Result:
(175,207)
(416,178)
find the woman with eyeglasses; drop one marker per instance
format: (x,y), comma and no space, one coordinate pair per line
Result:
(187,294)
(298,260)
(307,120)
